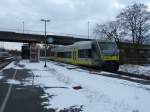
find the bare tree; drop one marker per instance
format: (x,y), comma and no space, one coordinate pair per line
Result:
(110,30)
(136,20)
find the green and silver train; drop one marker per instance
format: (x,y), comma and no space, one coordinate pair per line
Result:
(104,55)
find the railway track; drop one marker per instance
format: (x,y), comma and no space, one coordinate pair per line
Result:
(120,74)
(138,78)
(5,61)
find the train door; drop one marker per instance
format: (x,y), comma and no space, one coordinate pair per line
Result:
(74,56)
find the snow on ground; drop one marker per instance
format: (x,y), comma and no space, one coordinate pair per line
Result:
(98,93)
(137,69)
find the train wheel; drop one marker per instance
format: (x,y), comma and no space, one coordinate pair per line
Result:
(115,67)
(110,67)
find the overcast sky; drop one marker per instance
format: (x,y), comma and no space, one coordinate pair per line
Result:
(67,16)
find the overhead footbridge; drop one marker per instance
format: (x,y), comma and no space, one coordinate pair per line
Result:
(7,36)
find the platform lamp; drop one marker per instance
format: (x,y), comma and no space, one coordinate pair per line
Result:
(45,40)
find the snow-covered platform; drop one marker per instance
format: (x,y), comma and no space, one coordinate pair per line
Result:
(94,93)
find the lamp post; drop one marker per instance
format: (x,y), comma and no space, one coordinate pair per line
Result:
(88,29)
(45,21)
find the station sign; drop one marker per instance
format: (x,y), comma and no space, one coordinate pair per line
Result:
(50,40)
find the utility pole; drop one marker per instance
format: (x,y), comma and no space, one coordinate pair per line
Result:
(88,28)
(23,26)
(45,21)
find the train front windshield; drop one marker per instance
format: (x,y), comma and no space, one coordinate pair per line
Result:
(107,47)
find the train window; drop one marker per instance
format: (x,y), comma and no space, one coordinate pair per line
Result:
(60,54)
(107,46)
(67,54)
(64,54)
(93,47)
(84,53)
(89,53)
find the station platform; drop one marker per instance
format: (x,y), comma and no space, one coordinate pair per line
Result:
(29,87)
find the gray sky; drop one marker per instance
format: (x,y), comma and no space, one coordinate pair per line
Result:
(67,16)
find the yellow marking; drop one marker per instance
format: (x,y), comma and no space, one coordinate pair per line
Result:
(74,56)
(79,62)
(109,58)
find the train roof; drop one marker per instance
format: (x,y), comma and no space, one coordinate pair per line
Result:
(78,45)
(82,45)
